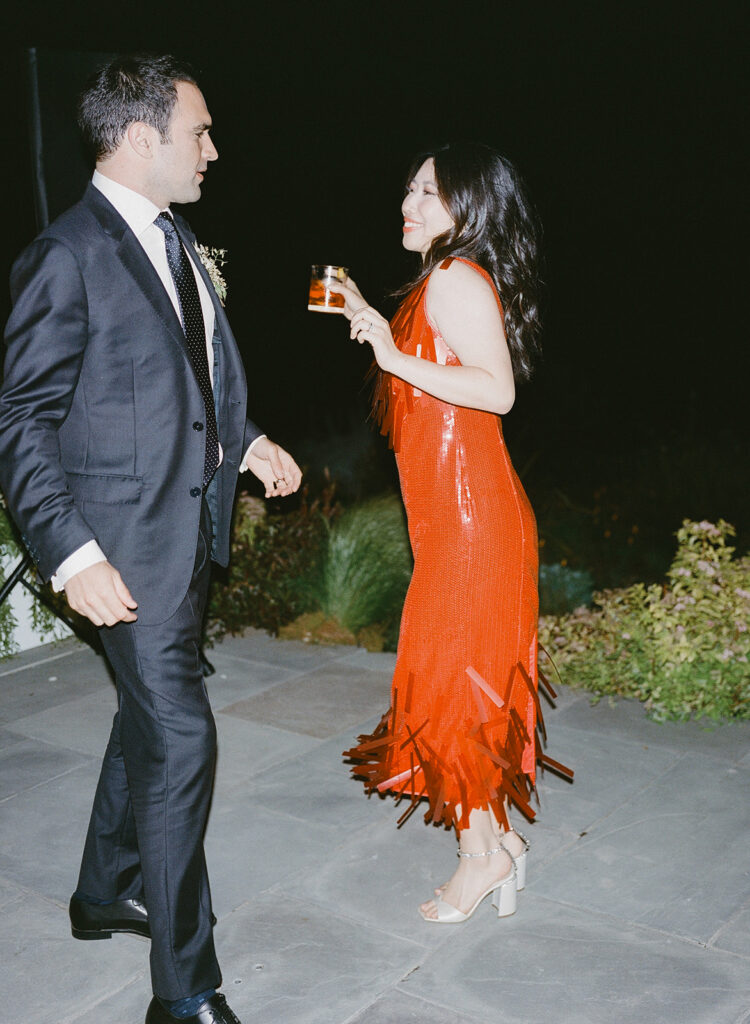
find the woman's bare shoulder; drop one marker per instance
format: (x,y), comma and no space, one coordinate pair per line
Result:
(458,283)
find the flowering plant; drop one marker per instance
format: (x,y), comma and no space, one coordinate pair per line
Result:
(213,259)
(683,647)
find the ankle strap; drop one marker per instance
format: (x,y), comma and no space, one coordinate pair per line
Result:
(484,853)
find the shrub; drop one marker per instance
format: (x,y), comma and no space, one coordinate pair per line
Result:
(682,647)
(368,566)
(275,572)
(336,574)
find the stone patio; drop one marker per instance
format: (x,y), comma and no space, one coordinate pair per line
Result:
(637,908)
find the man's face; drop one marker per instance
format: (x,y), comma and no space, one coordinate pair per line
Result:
(181,163)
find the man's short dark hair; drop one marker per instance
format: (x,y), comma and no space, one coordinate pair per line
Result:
(135,87)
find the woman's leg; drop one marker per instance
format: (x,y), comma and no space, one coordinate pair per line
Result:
(474,875)
(510,840)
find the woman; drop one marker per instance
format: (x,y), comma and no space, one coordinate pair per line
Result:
(461,728)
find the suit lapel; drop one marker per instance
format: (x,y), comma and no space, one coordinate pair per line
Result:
(136,262)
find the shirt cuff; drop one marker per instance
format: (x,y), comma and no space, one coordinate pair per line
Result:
(88,554)
(243,464)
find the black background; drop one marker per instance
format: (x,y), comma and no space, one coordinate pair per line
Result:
(624,120)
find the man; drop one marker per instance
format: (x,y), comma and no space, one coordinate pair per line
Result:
(122,431)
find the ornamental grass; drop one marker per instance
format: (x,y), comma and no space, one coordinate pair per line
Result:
(368,565)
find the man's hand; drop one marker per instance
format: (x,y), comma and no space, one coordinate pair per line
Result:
(275,468)
(99,593)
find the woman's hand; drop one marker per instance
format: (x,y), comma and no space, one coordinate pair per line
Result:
(352,296)
(368,325)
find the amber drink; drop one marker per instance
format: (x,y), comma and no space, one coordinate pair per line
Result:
(321,299)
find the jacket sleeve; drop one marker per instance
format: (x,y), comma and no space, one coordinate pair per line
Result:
(46,340)
(251,433)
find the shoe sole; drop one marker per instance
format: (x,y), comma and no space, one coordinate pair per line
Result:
(92,934)
(100,933)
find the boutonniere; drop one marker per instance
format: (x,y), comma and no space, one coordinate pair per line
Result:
(213,260)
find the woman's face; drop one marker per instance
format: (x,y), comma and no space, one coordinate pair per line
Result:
(425,217)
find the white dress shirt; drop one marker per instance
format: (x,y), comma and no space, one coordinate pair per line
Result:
(139,213)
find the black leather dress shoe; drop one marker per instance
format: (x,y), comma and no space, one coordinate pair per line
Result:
(94,921)
(214,1011)
(97,921)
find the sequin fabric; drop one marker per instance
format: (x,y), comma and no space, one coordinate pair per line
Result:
(195,333)
(461,729)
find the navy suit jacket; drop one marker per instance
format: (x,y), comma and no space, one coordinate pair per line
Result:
(101,417)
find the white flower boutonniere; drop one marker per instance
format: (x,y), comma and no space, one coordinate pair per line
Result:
(213,260)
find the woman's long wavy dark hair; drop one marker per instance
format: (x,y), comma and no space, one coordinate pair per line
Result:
(495,225)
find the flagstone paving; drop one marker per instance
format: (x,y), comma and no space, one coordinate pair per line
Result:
(637,907)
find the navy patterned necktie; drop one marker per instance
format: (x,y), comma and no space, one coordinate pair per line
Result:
(183,276)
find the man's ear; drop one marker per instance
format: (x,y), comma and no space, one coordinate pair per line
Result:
(142,139)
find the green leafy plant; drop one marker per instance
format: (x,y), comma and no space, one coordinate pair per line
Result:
(683,647)
(368,566)
(275,572)
(43,621)
(8,548)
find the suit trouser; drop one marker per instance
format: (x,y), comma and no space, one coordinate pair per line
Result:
(145,838)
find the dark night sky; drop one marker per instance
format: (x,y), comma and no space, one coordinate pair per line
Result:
(624,120)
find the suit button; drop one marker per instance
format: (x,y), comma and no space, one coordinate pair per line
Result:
(194,492)
(197,425)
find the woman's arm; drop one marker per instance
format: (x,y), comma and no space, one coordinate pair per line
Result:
(463,306)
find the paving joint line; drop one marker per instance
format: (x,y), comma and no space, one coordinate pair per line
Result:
(347,917)
(274,664)
(295,673)
(730,920)
(641,926)
(42,661)
(669,745)
(469,1017)
(140,975)
(53,778)
(633,796)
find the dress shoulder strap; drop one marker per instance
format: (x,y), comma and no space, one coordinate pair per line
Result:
(469,263)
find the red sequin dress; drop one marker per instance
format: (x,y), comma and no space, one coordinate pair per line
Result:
(461,730)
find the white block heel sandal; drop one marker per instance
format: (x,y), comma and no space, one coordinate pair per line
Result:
(503,899)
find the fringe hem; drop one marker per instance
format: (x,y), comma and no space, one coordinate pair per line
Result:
(486,774)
